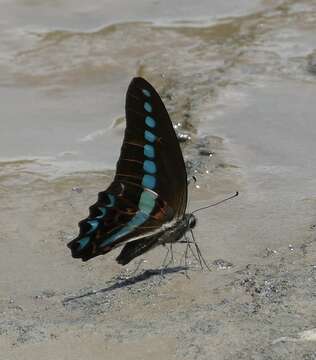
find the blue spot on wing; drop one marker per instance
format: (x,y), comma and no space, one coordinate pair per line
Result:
(150,122)
(149,181)
(147,203)
(149,136)
(83,243)
(124,231)
(146,92)
(103,212)
(150,167)
(147,107)
(94,224)
(137,220)
(149,151)
(112,200)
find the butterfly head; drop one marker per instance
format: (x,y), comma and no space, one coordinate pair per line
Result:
(191,221)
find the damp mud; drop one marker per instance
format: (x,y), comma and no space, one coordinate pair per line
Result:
(239,84)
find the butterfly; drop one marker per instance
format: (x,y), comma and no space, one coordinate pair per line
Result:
(145,205)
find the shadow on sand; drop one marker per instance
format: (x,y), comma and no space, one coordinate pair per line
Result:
(121,283)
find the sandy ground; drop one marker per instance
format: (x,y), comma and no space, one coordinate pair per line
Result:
(256,302)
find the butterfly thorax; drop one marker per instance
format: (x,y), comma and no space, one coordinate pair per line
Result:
(177,230)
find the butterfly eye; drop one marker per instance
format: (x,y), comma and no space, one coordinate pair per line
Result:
(192,221)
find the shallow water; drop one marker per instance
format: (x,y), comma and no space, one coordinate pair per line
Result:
(64,69)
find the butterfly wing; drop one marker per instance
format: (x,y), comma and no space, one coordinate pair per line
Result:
(150,129)
(136,248)
(150,184)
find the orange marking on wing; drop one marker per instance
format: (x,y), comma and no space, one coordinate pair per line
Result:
(133,144)
(132,160)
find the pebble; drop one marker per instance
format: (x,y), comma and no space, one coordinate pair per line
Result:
(77,189)
(222,264)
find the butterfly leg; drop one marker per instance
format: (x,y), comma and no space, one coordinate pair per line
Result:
(137,267)
(171,255)
(200,256)
(189,247)
(164,263)
(185,256)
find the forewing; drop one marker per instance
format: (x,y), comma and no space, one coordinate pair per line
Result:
(150,136)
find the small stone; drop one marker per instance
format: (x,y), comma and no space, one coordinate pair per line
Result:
(183,137)
(222,264)
(204,152)
(49,293)
(270,252)
(77,189)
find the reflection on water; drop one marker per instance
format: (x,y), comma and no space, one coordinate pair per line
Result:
(62,89)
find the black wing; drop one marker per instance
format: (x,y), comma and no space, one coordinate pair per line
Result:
(150,184)
(136,248)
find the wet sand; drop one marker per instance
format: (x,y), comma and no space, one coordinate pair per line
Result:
(252,105)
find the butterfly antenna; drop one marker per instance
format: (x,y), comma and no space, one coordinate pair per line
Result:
(189,180)
(217,203)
